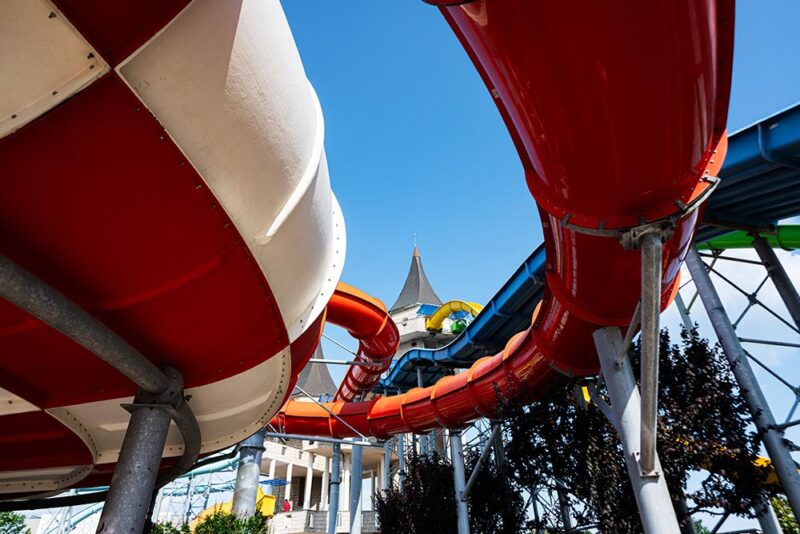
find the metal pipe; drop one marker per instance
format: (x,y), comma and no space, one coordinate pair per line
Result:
(740,365)
(245,492)
(425,445)
(356,472)
(30,293)
(475,470)
(134,478)
(652,495)
(684,312)
(650,310)
(631,331)
(401,453)
(780,279)
(499,449)
(457,454)
(387,464)
(333,512)
(566,513)
(767,519)
(684,517)
(344,362)
(321,439)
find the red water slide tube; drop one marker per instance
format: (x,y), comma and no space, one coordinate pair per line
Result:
(618,111)
(367,320)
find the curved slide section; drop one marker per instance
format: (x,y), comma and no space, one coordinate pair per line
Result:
(436,321)
(602,156)
(368,321)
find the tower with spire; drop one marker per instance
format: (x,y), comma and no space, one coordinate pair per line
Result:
(417,301)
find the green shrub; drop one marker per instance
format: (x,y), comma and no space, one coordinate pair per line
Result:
(13,523)
(222,523)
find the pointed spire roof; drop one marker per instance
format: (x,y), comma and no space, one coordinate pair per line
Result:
(417,289)
(315,379)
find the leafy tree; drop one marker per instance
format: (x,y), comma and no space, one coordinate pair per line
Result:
(495,504)
(699,527)
(168,528)
(703,423)
(13,523)
(785,516)
(425,502)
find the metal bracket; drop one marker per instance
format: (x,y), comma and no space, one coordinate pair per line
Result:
(655,473)
(631,239)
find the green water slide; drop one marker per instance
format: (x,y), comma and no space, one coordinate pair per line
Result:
(786,236)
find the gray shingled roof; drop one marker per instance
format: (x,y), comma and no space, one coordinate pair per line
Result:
(417,289)
(315,379)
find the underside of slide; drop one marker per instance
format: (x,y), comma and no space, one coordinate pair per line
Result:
(619,120)
(162,166)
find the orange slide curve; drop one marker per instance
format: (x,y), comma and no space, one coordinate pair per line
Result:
(366,319)
(608,142)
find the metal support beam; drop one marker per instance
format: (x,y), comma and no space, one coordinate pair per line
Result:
(303,437)
(684,312)
(499,448)
(356,472)
(475,470)
(772,436)
(652,495)
(767,520)
(387,465)
(780,279)
(333,511)
(401,453)
(650,244)
(31,294)
(245,492)
(566,513)
(457,454)
(425,441)
(134,478)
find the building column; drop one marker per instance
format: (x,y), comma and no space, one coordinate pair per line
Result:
(345,488)
(272,466)
(309,482)
(287,490)
(323,500)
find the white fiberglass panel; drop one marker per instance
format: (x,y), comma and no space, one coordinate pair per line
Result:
(226,82)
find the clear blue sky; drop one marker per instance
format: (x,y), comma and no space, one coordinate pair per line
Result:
(415,144)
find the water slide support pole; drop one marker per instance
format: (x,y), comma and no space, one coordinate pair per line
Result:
(246,491)
(651,246)
(333,509)
(401,453)
(134,479)
(356,473)
(772,435)
(779,277)
(387,465)
(457,453)
(649,488)
(424,439)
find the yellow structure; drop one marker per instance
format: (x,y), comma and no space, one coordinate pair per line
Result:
(265,504)
(435,321)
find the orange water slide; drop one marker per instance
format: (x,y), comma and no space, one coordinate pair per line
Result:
(367,320)
(618,113)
